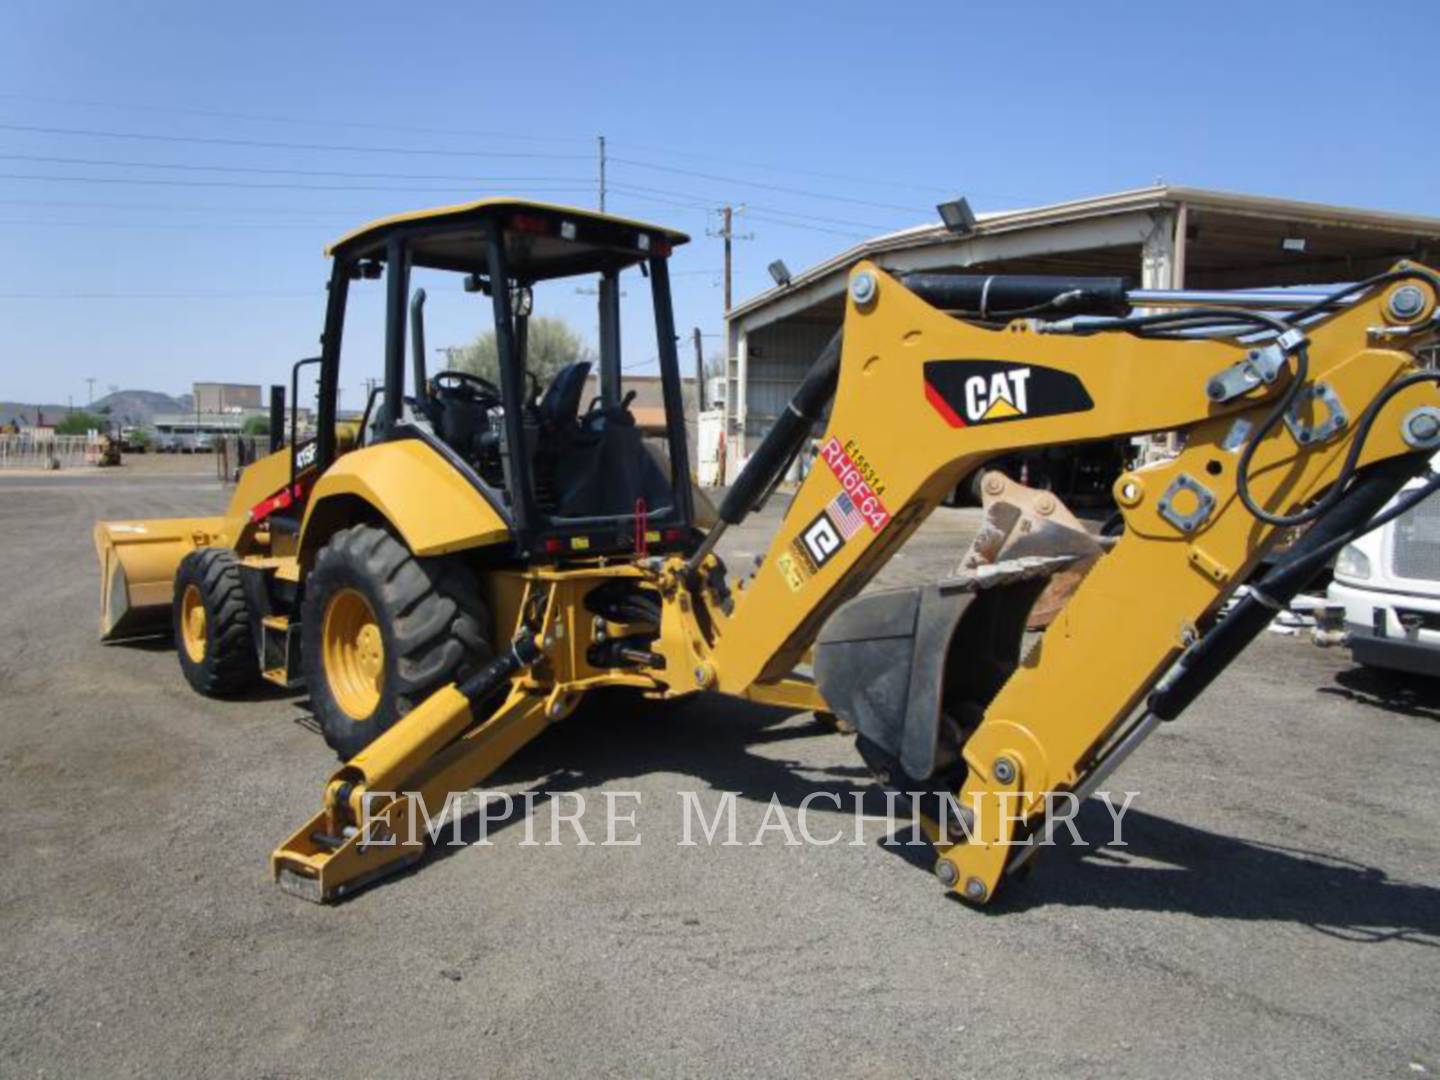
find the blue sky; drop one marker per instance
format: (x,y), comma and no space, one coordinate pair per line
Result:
(152,262)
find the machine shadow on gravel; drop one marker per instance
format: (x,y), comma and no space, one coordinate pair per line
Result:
(616,736)
(1393,691)
(1168,866)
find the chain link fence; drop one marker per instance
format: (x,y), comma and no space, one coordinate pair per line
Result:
(234,452)
(27,451)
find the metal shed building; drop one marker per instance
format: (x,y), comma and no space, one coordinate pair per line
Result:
(1162,237)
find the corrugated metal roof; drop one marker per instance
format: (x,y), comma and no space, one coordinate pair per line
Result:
(992,223)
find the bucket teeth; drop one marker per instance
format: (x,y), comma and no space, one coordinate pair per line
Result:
(1026,533)
(1007,571)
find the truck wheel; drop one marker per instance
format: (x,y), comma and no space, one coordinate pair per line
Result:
(213,633)
(381,630)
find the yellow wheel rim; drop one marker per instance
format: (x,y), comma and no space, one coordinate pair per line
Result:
(354,654)
(192,624)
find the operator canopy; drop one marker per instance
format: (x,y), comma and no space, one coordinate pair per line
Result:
(542,240)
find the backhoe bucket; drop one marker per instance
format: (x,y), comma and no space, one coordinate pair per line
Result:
(914,669)
(138,560)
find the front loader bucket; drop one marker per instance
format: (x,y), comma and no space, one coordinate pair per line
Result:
(138,560)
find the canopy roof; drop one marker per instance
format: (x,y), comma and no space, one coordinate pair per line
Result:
(542,240)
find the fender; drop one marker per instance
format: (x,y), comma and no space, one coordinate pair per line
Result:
(433,508)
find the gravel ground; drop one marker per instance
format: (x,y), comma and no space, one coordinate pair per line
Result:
(1275,911)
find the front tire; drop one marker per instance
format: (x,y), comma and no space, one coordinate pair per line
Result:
(213,632)
(381,630)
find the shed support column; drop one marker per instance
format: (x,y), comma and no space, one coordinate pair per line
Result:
(1158,254)
(1182,227)
(736,449)
(1162,266)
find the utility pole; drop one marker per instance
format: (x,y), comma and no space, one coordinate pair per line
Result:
(601,139)
(699,374)
(729,235)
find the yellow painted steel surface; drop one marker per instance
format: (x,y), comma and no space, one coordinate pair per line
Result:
(433,508)
(138,560)
(887,442)
(354,653)
(890,444)
(259,480)
(896,442)
(192,624)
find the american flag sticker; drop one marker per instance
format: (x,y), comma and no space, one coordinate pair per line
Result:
(847,518)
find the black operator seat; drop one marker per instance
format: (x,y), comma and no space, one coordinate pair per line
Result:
(560,407)
(603,468)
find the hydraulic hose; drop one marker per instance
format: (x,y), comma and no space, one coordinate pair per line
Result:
(778,448)
(1352,513)
(1007,296)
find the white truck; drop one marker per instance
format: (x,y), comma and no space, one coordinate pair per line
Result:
(1384,602)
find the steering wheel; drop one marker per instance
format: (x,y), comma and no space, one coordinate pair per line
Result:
(475,384)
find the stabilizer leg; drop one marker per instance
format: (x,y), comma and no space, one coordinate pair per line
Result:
(376,804)
(369,832)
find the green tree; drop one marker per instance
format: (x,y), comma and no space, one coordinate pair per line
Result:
(256,425)
(78,422)
(552,345)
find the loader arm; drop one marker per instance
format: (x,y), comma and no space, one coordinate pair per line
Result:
(923,398)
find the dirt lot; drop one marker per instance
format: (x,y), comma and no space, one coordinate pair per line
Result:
(1275,913)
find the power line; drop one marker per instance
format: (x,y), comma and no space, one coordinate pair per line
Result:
(757,184)
(469,133)
(811,228)
(214,140)
(164,225)
(707,210)
(86,204)
(750,205)
(311,294)
(860,180)
(268,119)
(154,182)
(698,207)
(260,170)
(705,206)
(771,214)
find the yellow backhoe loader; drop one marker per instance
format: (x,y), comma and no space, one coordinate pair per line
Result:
(453,574)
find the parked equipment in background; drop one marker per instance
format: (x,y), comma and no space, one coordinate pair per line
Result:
(107,448)
(1384,601)
(452,575)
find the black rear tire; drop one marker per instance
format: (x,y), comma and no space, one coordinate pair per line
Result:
(434,628)
(217,654)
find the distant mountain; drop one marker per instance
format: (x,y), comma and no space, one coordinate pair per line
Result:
(137,407)
(140,406)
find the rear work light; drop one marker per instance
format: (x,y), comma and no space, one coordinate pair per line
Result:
(532,224)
